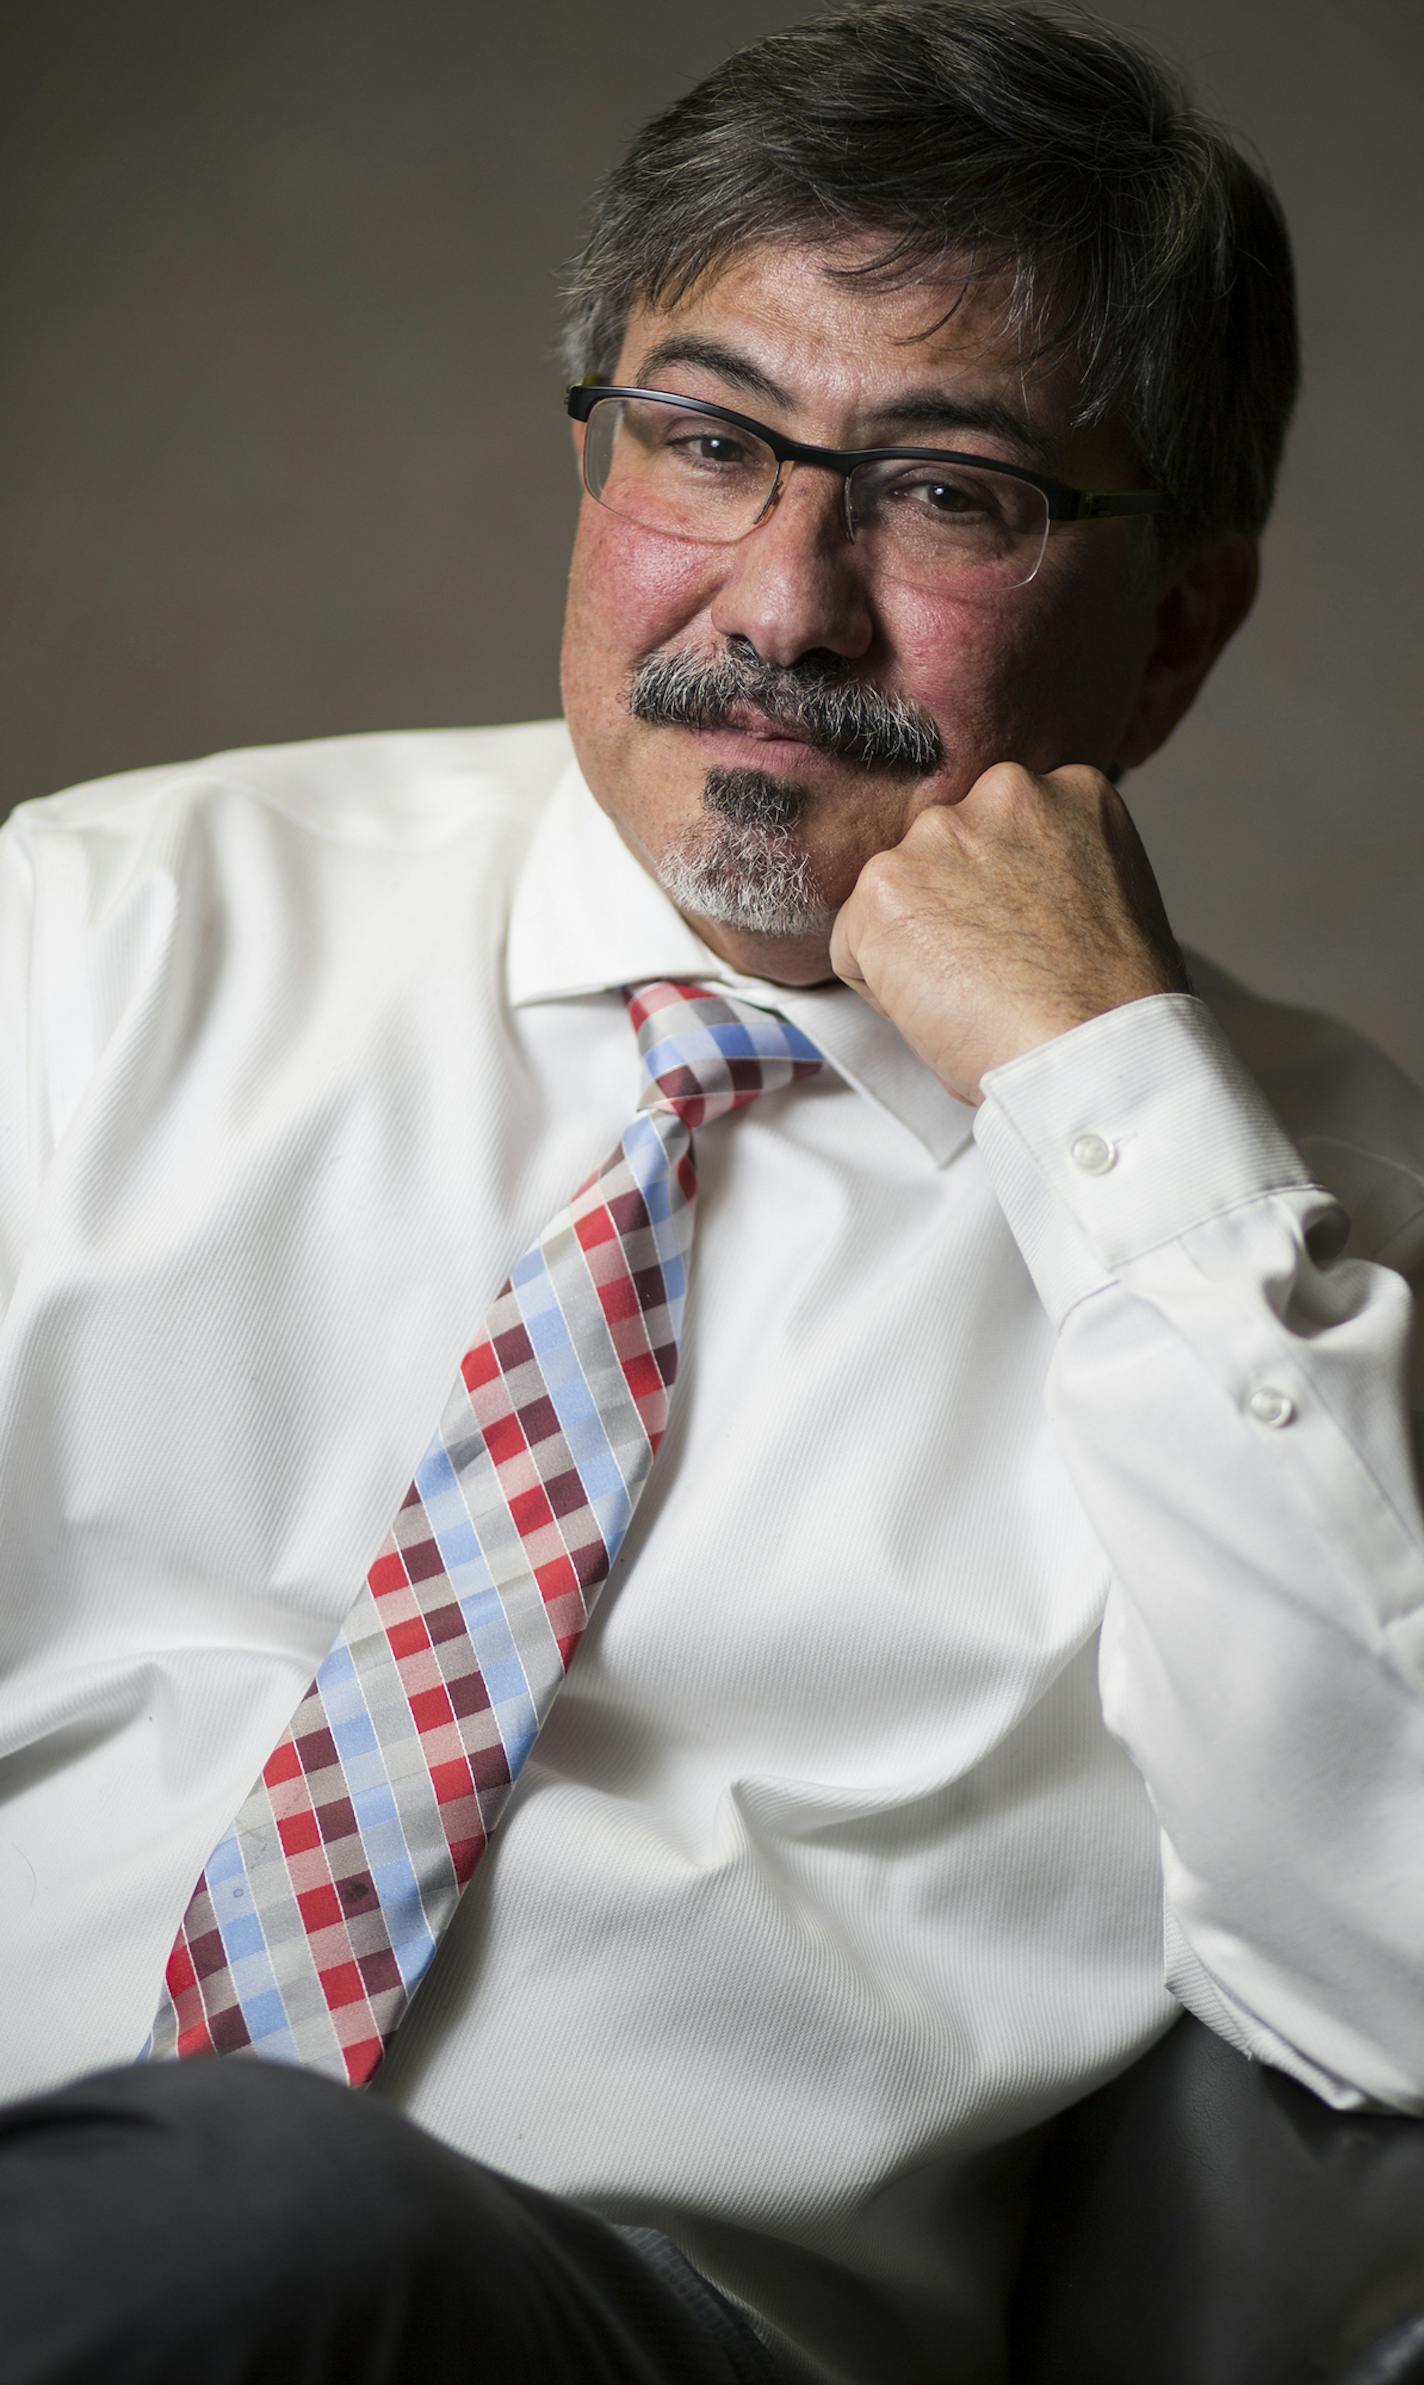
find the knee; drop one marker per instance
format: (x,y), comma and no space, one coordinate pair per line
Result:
(283,2223)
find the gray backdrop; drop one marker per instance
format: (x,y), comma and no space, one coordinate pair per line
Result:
(282,411)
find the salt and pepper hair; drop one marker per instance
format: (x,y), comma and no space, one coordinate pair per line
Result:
(1037,142)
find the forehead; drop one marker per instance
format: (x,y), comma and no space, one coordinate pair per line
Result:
(838,344)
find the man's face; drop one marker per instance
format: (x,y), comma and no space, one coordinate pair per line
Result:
(758,835)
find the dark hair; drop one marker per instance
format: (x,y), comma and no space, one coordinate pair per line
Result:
(1036,142)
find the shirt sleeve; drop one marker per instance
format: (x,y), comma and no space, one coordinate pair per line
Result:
(1230,1390)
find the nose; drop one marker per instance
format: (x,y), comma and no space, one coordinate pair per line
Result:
(794,584)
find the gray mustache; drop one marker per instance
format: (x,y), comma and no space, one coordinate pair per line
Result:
(835,715)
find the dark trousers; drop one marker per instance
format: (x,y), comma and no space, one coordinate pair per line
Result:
(242,2223)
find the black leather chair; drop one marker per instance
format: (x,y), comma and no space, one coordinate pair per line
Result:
(1203,2220)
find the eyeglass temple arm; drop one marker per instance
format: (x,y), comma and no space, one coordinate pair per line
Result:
(1089,508)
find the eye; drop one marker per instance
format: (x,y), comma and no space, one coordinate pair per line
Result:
(711,445)
(955,495)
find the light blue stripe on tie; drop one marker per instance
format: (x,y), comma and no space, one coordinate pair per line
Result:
(341,1691)
(648,1162)
(447,1511)
(768,1040)
(242,1936)
(496,1652)
(266,2017)
(253,1977)
(611,1514)
(381,1834)
(440,1492)
(230,1898)
(354,1733)
(459,1547)
(509,1688)
(225,1862)
(404,1916)
(375,1805)
(683,1048)
(336,1666)
(737,1042)
(574,1403)
(518,1744)
(364,1771)
(647,1156)
(384,1842)
(279,2048)
(443,1496)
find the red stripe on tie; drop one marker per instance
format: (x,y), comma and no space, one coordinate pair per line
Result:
(283,1764)
(430,1708)
(319,1907)
(504,1438)
(180,1975)
(388,1574)
(409,1637)
(363,2060)
(451,1781)
(479,1366)
(556,1579)
(299,1833)
(530,1511)
(342,1984)
(619,1301)
(643,1377)
(594,1227)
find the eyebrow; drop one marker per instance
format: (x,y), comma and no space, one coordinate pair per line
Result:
(926,410)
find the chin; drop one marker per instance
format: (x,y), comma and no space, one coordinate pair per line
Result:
(742,875)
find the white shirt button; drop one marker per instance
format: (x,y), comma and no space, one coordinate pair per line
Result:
(1094,1154)
(1270,1406)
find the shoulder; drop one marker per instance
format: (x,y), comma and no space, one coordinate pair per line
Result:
(408,788)
(272,876)
(1353,1114)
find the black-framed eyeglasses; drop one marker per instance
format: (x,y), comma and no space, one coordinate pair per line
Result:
(924,516)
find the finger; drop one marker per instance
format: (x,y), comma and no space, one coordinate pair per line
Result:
(842,952)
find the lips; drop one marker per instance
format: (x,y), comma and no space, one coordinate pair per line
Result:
(763,747)
(747,724)
(761,730)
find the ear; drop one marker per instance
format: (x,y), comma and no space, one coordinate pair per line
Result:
(1199,604)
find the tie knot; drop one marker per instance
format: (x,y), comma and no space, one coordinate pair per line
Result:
(704,1053)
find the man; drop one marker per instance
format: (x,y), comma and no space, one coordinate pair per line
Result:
(1033,1526)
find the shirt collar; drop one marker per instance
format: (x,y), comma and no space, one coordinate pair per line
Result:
(586,915)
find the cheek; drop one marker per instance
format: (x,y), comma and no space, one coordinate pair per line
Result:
(1035,678)
(970,666)
(630,591)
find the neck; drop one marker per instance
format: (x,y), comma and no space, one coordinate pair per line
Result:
(781,960)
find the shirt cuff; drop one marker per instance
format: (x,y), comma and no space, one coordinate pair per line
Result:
(1122,1135)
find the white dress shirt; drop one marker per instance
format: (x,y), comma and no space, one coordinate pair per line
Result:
(826,1880)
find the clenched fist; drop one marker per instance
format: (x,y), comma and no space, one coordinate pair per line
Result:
(1005,919)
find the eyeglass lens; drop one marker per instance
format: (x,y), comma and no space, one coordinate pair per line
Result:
(933,525)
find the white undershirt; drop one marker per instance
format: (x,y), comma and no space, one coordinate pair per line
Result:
(826,1880)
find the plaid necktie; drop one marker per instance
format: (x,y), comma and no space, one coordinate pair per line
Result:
(316,1918)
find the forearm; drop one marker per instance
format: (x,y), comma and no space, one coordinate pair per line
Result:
(1231,1400)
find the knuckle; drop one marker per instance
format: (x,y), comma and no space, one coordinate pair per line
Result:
(1091,788)
(1006,783)
(935,829)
